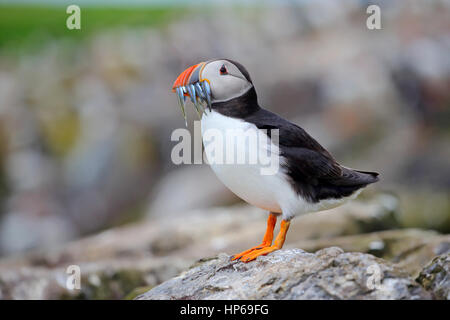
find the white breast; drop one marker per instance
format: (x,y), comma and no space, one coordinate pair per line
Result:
(245,180)
(271,192)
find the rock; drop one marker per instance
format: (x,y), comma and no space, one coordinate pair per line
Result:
(435,277)
(410,249)
(292,274)
(155,250)
(112,279)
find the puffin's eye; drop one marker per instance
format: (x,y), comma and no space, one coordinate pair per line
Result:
(223,70)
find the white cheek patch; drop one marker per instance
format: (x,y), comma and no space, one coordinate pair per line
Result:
(225,87)
(228,87)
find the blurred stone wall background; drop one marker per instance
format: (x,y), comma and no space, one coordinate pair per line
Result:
(85,124)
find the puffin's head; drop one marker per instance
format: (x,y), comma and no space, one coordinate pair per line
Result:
(212,81)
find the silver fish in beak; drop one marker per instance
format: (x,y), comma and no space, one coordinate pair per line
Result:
(188,84)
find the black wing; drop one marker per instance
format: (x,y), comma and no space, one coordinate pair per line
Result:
(313,171)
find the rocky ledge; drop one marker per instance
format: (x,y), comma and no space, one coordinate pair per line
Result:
(329,273)
(123,262)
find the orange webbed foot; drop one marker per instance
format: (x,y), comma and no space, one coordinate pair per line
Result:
(266,246)
(246,252)
(267,240)
(256,253)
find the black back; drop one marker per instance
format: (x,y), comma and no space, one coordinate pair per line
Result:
(312,170)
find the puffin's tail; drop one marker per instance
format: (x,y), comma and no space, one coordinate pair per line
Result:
(356,178)
(349,182)
(369,176)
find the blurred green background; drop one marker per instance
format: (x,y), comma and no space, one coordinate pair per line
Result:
(86,115)
(32,25)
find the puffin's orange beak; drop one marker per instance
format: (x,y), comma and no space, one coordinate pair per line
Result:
(189,84)
(184,78)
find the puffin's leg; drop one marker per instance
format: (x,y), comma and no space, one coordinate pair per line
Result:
(267,240)
(279,241)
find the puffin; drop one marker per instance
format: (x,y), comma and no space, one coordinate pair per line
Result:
(308,180)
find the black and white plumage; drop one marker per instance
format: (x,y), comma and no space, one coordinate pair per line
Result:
(309,179)
(314,173)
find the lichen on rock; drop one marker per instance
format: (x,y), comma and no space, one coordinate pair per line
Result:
(435,277)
